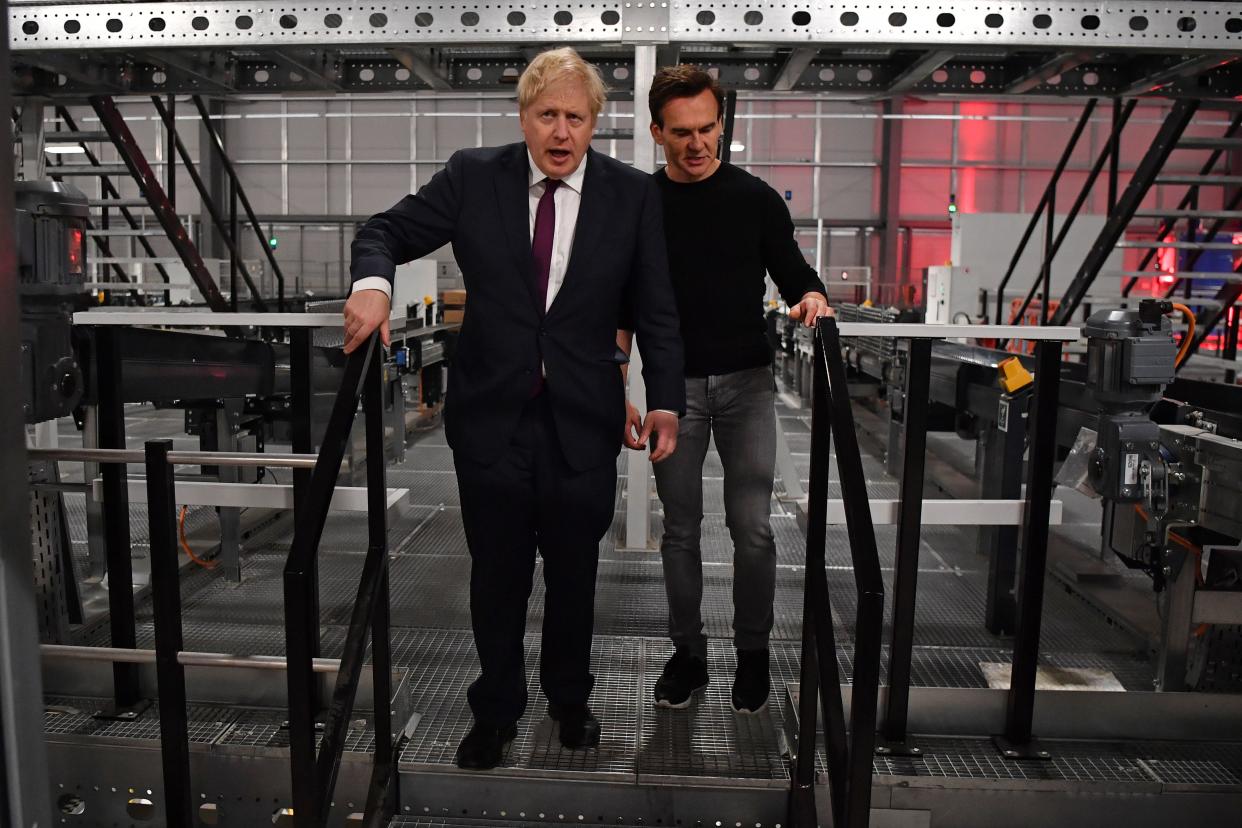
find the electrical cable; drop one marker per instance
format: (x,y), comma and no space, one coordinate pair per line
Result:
(1188,337)
(185,544)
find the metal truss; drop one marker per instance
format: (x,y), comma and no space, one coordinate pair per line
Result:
(870,49)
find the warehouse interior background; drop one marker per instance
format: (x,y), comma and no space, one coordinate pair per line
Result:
(234,580)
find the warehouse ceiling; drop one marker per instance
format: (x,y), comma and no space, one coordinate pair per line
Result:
(874,49)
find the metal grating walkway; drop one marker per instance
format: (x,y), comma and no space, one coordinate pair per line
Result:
(708,744)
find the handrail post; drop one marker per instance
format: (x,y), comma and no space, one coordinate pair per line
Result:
(301,614)
(819,674)
(127,700)
(1016,742)
(383,794)
(869,619)
(166,610)
(909,520)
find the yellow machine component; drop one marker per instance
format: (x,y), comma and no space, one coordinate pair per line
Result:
(1013,376)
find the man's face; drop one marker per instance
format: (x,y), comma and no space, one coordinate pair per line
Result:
(558,126)
(690,135)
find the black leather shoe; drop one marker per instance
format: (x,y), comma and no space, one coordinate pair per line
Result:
(484,746)
(579,727)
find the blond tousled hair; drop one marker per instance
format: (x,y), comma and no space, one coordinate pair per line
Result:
(557,64)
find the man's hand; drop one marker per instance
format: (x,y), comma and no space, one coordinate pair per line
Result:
(811,307)
(663,425)
(633,425)
(365,311)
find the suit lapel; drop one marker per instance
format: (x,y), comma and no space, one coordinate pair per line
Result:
(513,195)
(592,216)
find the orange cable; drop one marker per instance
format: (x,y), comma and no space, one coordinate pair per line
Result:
(1187,337)
(186,544)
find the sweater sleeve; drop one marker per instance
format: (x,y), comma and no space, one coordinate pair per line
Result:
(781,256)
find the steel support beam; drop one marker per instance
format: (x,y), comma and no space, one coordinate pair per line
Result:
(918,71)
(1059,65)
(638,505)
(890,198)
(25,797)
(1188,68)
(419,61)
(795,65)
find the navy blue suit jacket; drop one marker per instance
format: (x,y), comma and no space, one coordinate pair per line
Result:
(479,204)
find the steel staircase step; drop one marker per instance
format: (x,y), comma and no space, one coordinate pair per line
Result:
(1200,180)
(82,170)
(1191,276)
(125,232)
(76,137)
(117,202)
(1210,143)
(1189,214)
(1179,245)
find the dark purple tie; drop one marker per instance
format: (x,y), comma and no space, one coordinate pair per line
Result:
(541,243)
(541,251)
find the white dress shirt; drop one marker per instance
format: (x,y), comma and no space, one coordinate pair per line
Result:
(567,199)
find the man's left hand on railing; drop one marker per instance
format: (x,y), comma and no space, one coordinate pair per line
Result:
(365,311)
(811,307)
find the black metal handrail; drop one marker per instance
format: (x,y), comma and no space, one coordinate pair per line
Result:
(1045,273)
(1046,201)
(238,192)
(314,768)
(1192,194)
(226,233)
(849,757)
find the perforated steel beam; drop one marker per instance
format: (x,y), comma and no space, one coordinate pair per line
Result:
(1188,26)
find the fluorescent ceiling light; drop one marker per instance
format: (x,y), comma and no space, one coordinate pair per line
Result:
(64,149)
(737,146)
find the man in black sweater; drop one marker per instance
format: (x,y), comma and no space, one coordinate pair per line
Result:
(725,229)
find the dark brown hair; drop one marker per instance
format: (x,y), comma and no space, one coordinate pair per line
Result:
(684,81)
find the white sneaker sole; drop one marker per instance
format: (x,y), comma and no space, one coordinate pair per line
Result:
(754,712)
(668,705)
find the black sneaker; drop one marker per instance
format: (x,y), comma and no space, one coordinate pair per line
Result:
(751,684)
(683,676)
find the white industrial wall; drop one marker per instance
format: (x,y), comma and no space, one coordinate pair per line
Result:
(352,156)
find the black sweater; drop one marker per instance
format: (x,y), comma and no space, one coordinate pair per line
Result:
(723,233)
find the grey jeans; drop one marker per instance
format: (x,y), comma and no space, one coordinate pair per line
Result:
(738,410)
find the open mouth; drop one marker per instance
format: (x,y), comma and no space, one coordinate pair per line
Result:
(559,155)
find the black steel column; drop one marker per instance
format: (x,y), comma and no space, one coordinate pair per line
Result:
(891,151)
(301,400)
(170,172)
(166,611)
(1046,270)
(1114,154)
(1020,708)
(909,524)
(127,695)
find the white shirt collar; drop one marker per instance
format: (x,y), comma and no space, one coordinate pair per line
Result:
(573,181)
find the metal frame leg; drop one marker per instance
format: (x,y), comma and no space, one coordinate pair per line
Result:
(166,606)
(301,399)
(909,519)
(1179,603)
(128,703)
(1016,743)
